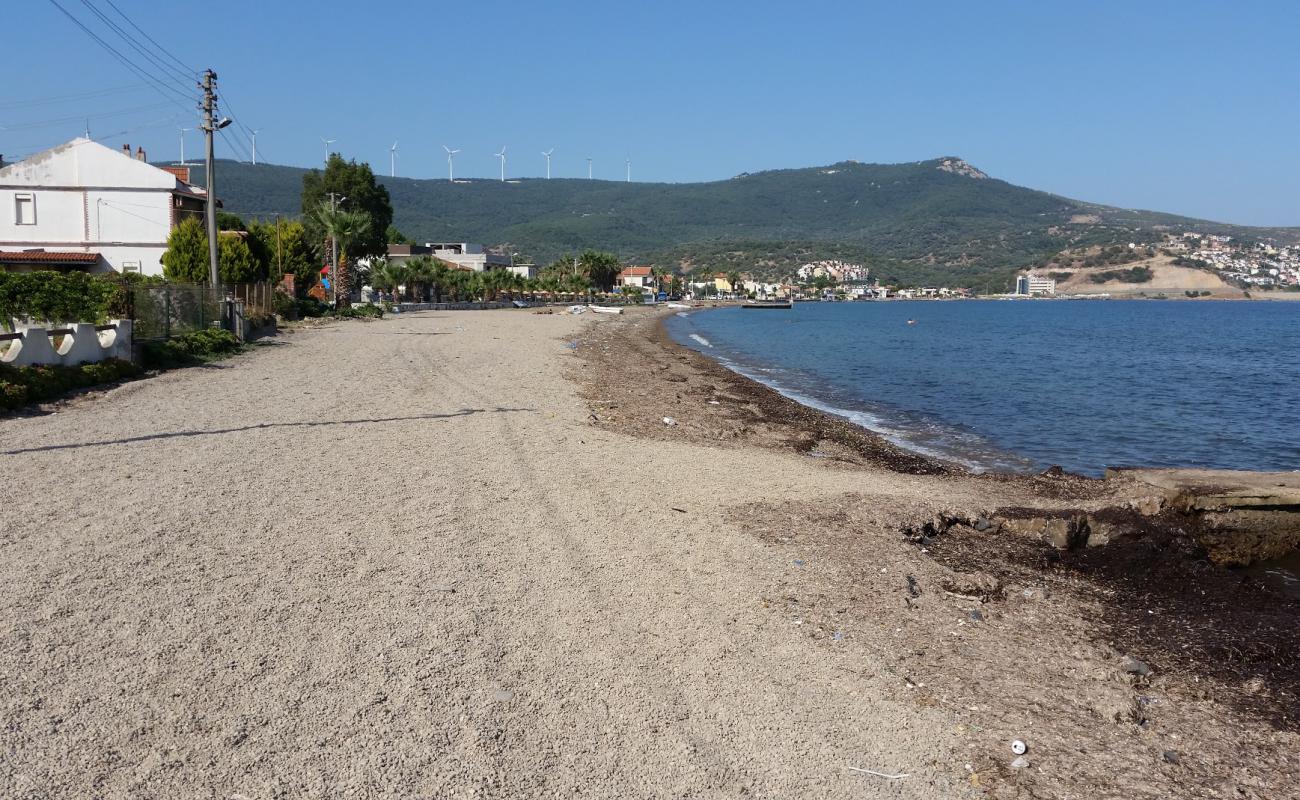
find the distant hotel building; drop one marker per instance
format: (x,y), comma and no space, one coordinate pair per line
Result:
(1031,284)
(462,255)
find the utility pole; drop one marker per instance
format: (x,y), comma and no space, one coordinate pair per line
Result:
(209,131)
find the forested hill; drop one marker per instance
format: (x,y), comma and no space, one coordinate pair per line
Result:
(937,221)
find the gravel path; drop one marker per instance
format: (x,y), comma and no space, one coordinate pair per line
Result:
(235,582)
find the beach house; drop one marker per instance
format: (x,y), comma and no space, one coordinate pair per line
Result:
(638,277)
(85,206)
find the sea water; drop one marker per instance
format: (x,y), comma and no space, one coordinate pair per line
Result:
(1023,385)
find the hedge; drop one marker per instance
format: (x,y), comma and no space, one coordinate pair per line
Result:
(59,297)
(189,349)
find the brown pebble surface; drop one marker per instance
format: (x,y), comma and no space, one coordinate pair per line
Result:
(235,581)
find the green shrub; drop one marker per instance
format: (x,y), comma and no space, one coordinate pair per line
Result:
(1131,275)
(190,349)
(20,386)
(311,307)
(283,304)
(366,311)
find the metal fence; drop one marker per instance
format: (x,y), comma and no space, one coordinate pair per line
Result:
(258,298)
(161,312)
(166,310)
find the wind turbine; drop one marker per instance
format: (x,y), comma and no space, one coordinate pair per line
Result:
(182,130)
(547,153)
(392,161)
(327,142)
(588,167)
(629,169)
(254,132)
(451,176)
(502,156)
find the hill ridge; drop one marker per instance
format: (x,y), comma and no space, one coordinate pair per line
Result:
(940,220)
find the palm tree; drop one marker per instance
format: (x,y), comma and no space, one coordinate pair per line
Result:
(390,276)
(344,227)
(733,278)
(441,274)
(421,272)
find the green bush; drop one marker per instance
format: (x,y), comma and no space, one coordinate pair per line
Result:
(190,349)
(367,311)
(311,307)
(20,386)
(58,296)
(283,304)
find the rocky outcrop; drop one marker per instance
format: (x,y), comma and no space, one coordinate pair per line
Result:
(1238,517)
(959,167)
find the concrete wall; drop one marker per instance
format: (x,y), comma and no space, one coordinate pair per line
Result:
(82,346)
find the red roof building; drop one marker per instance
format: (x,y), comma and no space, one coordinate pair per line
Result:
(642,277)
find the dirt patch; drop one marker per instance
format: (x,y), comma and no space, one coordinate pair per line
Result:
(1229,634)
(1119,666)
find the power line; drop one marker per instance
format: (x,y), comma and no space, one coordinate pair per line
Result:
(162,88)
(188,69)
(79,96)
(239,123)
(184,76)
(31,149)
(27,126)
(237,147)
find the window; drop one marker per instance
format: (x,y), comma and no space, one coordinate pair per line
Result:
(130,266)
(24,209)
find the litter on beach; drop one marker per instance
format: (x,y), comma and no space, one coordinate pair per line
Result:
(887,775)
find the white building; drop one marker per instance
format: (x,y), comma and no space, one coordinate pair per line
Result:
(1031,284)
(85,206)
(637,277)
(468,255)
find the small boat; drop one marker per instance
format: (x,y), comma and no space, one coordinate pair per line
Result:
(768,304)
(678,305)
(911,322)
(605,310)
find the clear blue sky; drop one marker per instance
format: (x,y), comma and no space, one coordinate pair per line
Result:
(1189,107)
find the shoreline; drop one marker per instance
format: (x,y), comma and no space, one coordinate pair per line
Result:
(1141,573)
(469,542)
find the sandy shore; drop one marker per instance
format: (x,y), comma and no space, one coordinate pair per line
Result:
(461,555)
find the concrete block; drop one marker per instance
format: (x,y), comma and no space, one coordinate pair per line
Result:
(34,348)
(81,346)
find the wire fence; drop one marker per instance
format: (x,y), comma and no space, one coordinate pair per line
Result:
(161,312)
(172,309)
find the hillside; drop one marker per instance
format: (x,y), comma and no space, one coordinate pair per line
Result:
(938,221)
